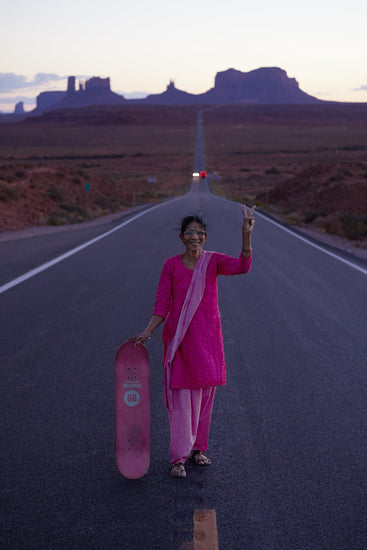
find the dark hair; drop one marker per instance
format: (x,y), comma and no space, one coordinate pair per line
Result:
(190,219)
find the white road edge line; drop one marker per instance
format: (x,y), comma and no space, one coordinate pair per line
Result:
(305,240)
(47,265)
(73,251)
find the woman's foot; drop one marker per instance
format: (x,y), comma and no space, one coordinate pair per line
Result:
(178,470)
(199,458)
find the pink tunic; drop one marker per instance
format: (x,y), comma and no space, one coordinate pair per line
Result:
(199,361)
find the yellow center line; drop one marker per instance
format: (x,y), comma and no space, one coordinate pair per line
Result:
(205,530)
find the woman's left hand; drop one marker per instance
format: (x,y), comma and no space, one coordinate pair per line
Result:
(248,219)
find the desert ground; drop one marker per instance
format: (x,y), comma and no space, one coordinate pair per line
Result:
(73,166)
(305,164)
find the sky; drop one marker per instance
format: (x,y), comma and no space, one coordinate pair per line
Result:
(143,44)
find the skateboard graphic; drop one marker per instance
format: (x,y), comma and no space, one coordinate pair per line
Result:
(132,402)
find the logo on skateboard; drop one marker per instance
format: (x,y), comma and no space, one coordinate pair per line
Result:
(131,398)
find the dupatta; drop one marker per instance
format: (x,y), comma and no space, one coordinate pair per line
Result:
(193,297)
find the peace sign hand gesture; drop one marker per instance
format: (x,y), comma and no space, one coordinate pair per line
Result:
(247,227)
(248,220)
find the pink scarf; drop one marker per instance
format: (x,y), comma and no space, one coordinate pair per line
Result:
(194,295)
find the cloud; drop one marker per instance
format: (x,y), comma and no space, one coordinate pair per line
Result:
(15,99)
(362,88)
(44,78)
(9,82)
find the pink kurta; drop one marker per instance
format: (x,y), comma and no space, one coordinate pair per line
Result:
(199,361)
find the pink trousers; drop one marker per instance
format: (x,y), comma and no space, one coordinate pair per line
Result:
(189,421)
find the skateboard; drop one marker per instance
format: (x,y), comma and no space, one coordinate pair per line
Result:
(132,402)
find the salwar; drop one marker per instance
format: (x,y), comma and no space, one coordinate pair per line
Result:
(189,420)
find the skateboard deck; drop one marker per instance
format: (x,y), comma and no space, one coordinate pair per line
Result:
(132,402)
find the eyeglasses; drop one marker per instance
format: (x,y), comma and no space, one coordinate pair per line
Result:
(191,232)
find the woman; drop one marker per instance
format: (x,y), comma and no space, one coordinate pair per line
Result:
(194,355)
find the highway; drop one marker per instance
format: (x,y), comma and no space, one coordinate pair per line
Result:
(288,437)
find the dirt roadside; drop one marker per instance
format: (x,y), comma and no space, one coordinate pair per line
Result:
(7,236)
(334,241)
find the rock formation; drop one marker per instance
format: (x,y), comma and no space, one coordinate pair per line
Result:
(19,108)
(71,84)
(267,85)
(47,100)
(172,96)
(97,83)
(96,91)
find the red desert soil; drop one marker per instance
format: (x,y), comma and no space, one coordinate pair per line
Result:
(305,164)
(123,156)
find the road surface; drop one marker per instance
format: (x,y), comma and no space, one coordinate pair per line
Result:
(288,438)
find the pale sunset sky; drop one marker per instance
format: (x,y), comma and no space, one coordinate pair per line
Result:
(142,44)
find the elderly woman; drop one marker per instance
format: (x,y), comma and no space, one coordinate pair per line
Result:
(193,344)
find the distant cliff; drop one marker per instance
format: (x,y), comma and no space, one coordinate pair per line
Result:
(264,86)
(267,85)
(95,91)
(172,96)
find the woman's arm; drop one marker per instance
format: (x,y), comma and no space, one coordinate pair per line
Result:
(141,338)
(161,307)
(247,227)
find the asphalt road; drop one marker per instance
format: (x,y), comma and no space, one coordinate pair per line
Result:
(288,438)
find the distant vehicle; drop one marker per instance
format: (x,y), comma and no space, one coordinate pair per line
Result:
(203,174)
(196,174)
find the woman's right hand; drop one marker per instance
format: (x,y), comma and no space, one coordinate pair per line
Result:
(141,338)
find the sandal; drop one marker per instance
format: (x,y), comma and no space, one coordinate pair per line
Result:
(178,470)
(199,458)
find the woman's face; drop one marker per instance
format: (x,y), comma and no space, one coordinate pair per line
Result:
(194,236)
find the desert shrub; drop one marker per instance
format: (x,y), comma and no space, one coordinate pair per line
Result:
(103,202)
(353,148)
(70,214)
(74,208)
(55,194)
(333,224)
(20,173)
(7,193)
(77,180)
(58,218)
(311,215)
(273,171)
(245,169)
(335,177)
(292,219)
(354,225)
(149,195)
(83,174)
